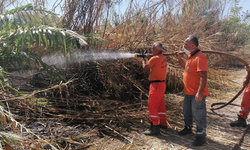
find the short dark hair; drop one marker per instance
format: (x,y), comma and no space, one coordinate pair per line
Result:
(193,39)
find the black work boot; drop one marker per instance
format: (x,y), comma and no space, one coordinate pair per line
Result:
(199,140)
(153,130)
(163,127)
(241,122)
(185,131)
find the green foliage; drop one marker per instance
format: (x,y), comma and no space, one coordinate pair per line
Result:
(26,16)
(2,79)
(237,25)
(42,101)
(28,32)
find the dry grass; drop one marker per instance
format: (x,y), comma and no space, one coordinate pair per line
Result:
(105,107)
(95,123)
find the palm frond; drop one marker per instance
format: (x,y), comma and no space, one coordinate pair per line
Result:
(40,39)
(24,33)
(26,15)
(82,39)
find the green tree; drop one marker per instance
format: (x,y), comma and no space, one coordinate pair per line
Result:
(28,32)
(237,24)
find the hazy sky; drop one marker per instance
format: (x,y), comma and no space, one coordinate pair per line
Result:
(244,3)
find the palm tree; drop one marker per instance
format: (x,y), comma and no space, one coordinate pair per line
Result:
(29,32)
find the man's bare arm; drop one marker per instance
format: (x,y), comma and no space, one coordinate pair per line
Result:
(203,83)
(180,60)
(145,65)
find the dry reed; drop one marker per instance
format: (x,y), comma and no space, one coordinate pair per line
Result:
(112,94)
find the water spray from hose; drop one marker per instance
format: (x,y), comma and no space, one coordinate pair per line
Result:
(60,60)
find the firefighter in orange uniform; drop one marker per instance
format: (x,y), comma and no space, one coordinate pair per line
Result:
(245,106)
(157,65)
(195,88)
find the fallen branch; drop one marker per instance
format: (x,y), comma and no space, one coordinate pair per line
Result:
(117,133)
(36,92)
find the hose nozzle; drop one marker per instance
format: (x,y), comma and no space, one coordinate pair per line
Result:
(137,55)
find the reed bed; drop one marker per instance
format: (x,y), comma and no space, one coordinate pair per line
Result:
(105,101)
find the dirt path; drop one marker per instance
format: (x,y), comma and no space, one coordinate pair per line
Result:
(220,136)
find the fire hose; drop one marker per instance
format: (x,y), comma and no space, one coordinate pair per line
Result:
(212,52)
(237,146)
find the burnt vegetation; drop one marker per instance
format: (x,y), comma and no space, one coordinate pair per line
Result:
(68,107)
